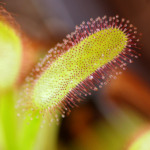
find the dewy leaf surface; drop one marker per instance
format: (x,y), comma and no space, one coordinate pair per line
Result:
(77,64)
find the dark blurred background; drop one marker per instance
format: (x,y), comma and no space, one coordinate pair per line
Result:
(106,118)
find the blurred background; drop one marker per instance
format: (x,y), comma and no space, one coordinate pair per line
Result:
(112,116)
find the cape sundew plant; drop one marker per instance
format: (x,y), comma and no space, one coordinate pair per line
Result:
(97,49)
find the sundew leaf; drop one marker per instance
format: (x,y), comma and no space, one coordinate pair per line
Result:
(77,64)
(73,69)
(10,58)
(8,120)
(10,55)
